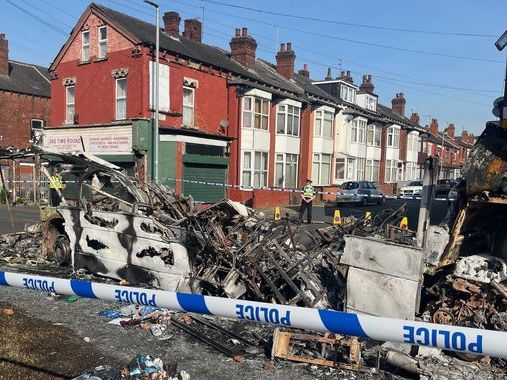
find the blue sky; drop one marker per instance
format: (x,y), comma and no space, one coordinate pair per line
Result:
(450,89)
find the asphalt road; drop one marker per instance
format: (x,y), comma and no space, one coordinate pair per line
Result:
(21,216)
(438,212)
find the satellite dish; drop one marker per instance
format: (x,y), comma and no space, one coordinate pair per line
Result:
(496,112)
(497,102)
(224,123)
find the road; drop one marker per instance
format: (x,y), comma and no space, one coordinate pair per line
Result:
(21,216)
(438,212)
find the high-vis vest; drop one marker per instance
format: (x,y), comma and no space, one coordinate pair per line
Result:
(56,183)
(308,191)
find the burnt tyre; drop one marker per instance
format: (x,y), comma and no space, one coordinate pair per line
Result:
(62,251)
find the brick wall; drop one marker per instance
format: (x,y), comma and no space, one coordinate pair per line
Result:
(16,114)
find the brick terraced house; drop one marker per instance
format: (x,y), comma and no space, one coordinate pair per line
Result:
(24,111)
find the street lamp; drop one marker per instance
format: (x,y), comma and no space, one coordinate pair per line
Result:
(500,44)
(156,95)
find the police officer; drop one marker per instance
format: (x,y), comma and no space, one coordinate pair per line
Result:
(307,197)
(55,182)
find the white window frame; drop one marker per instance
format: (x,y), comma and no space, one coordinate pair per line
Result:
(359,126)
(251,114)
(391,171)
(102,41)
(288,110)
(189,106)
(376,135)
(360,168)
(371,103)
(85,46)
(119,99)
(320,119)
(351,164)
(343,161)
(70,104)
(393,137)
(317,174)
(348,93)
(252,170)
(34,129)
(283,160)
(372,170)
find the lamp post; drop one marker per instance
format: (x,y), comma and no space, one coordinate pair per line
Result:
(155,136)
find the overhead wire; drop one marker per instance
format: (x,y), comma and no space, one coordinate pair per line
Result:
(367,26)
(34,16)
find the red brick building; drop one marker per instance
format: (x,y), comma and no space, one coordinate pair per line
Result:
(226,118)
(24,110)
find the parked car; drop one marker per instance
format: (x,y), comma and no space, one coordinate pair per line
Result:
(443,187)
(360,192)
(414,188)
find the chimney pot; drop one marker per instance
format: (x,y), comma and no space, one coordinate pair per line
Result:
(398,104)
(369,78)
(305,66)
(243,48)
(193,30)
(367,85)
(285,59)
(348,73)
(172,23)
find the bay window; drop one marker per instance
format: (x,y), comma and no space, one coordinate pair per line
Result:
(360,169)
(255,169)
(358,131)
(323,124)
(321,168)
(287,120)
(391,170)
(255,113)
(393,137)
(286,169)
(339,169)
(372,170)
(374,135)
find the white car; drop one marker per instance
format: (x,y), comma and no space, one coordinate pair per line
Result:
(414,188)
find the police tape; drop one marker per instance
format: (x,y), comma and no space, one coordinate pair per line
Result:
(250,188)
(453,338)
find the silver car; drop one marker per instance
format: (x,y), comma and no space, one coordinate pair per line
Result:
(360,192)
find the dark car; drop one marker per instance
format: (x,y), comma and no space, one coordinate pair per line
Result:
(443,187)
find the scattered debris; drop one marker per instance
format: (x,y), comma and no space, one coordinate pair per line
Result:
(8,311)
(325,350)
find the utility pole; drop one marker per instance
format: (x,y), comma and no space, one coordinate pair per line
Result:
(156,95)
(500,44)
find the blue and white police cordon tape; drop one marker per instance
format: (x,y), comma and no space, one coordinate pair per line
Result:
(243,187)
(454,338)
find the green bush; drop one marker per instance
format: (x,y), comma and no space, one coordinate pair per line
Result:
(2,196)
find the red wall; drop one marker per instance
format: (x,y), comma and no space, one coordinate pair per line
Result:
(16,112)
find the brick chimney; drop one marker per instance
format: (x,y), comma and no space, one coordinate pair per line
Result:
(172,23)
(434,126)
(415,118)
(285,59)
(193,30)
(304,72)
(4,55)
(398,104)
(346,77)
(243,48)
(451,130)
(367,85)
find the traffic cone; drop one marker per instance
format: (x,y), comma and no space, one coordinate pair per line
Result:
(277,214)
(404,223)
(337,219)
(367,218)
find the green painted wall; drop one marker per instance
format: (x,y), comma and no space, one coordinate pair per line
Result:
(167,162)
